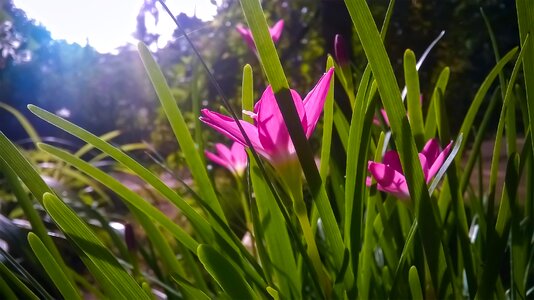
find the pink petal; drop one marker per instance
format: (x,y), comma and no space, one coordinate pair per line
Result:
(425,166)
(385,116)
(392,160)
(229,128)
(439,161)
(246,34)
(272,129)
(431,151)
(223,152)
(218,160)
(388,180)
(239,156)
(314,101)
(276,30)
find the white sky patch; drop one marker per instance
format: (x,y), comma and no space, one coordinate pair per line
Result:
(107,24)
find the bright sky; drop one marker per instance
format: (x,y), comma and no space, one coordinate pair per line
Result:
(106,24)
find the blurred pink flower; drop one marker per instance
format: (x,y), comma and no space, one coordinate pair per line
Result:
(234,158)
(390,177)
(269,134)
(275,31)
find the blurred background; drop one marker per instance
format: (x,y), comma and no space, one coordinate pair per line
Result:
(79,59)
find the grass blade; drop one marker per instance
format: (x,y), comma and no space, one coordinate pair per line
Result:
(24,122)
(129,196)
(115,280)
(525,18)
(227,275)
(52,268)
(415,112)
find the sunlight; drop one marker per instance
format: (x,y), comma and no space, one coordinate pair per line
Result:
(105,24)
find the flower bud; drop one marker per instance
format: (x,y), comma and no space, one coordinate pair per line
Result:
(341,51)
(129,237)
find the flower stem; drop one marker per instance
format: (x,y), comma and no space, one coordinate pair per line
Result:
(244,202)
(313,252)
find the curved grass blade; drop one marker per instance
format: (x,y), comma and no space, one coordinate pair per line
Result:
(200,224)
(52,268)
(115,280)
(228,276)
(125,148)
(6,291)
(30,130)
(129,196)
(16,283)
(22,168)
(500,128)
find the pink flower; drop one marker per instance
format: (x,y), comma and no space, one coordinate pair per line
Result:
(269,134)
(275,31)
(390,177)
(234,159)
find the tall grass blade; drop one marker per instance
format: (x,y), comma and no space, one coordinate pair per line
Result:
(328,121)
(415,111)
(525,18)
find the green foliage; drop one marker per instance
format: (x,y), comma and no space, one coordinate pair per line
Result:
(341,234)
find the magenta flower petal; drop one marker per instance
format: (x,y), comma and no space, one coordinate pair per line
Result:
(246,34)
(239,155)
(276,30)
(390,176)
(431,150)
(388,180)
(229,128)
(425,166)
(216,159)
(391,159)
(272,129)
(438,162)
(314,101)
(269,134)
(234,159)
(224,152)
